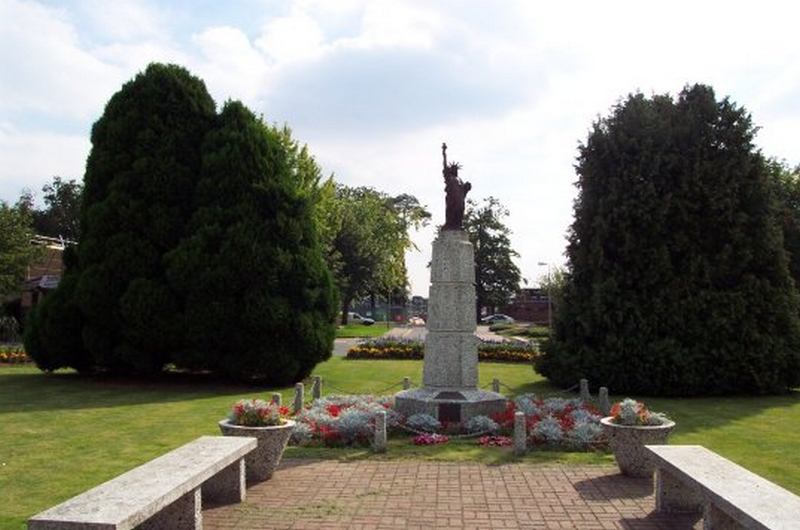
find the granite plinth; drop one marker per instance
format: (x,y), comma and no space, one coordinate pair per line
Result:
(448,313)
(449,404)
(451,360)
(452,258)
(450,368)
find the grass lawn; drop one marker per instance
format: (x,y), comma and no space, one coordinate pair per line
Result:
(359,331)
(62,433)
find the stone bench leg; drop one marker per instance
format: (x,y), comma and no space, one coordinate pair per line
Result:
(183,514)
(228,486)
(716,519)
(673,495)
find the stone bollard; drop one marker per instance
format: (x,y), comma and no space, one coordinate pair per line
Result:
(603,404)
(379,446)
(585,396)
(276,399)
(299,398)
(496,385)
(316,390)
(520,434)
(406,383)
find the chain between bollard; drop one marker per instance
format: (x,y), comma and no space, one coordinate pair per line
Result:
(392,386)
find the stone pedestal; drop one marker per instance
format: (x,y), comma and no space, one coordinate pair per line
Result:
(450,368)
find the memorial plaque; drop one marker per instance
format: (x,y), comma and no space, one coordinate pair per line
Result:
(450,412)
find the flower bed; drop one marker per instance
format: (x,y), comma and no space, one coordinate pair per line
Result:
(507,352)
(13,354)
(387,349)
(503,351)
(349,421)
(342,421)
(558,423)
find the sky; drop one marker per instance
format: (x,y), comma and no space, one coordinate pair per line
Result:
(374,87)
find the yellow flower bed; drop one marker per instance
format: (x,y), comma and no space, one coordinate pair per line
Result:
(507,352)
(13,355)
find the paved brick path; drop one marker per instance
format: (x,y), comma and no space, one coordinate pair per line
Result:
(328,495)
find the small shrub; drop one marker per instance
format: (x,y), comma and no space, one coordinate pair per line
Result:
(423,422)
(547,431)
(584,435)
(301,434)
(356,426)
(528,404)
(481,424)
(632,412)
(343,420)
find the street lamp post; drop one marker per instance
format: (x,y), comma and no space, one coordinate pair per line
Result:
(549,298)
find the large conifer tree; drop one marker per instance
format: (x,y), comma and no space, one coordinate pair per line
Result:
(137,199)
(678,279)
(259,299)
(196,247)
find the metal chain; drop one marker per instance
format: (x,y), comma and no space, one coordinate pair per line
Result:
(453,437)
(375,393)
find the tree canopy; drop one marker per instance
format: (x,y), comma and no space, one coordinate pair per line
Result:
(368,235)
(16,250)
(786,183)
(187,220)
(678,281)
(496,275)
(60,217)
(255,288)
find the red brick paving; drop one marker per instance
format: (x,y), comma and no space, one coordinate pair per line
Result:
(410,495)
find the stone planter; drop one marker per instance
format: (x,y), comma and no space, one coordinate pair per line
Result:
(627,443)
(264,460)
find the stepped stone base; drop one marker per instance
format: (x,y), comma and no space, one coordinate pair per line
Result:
(449,405)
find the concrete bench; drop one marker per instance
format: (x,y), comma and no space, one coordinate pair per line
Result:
(692,478)
(163,493)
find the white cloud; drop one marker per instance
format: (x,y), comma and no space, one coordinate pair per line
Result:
(375,86)
(44,69)
(30,160)
(230,65)
(124,20)
(394,23)
(293,38)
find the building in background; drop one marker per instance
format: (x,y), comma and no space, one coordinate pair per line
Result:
(530,305)
(44,274)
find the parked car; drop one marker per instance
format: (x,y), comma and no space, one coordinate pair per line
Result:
(416,321)
(355,318)
(499,318)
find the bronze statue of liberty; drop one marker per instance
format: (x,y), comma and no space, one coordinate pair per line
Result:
(455,194)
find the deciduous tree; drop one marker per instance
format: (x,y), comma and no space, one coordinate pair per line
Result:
(496,275)
(369,234)
(16,250)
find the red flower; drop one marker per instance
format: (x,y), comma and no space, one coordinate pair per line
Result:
(495,441)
